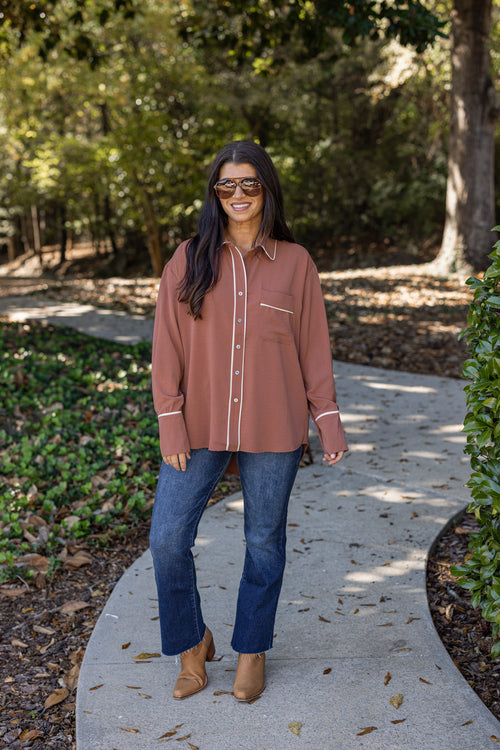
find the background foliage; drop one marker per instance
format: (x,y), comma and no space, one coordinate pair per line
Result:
(114,143)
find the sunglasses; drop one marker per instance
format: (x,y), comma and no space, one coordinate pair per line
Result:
(227,188)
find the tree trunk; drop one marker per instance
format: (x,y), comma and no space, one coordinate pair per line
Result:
(109,224)
(37,243)
(470,200)
(152,229)
(63,233)
(106,129)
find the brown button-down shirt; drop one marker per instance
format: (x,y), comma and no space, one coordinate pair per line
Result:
(245,375)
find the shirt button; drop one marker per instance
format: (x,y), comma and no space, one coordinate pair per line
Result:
(235,400)
(236,372)
(240,320)
(240,294)
(238,346)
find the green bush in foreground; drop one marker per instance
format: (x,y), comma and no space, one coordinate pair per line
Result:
(480,573)
(79,452)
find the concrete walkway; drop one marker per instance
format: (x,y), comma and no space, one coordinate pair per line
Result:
(353,628)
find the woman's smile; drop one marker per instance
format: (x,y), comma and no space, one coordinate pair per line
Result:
(240,206)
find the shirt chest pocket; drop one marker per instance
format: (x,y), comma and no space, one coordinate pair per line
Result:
(276,316)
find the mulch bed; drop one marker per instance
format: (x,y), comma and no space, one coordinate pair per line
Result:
(397,318)
(465,634)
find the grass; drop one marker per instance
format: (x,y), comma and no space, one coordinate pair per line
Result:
(79,450)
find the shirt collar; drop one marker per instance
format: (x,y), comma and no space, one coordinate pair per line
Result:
(269,247)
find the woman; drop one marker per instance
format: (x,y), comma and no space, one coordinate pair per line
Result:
(241,353)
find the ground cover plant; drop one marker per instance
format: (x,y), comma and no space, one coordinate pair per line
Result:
(80,451)
(480,572)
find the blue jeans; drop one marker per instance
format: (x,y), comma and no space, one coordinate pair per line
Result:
(181,497)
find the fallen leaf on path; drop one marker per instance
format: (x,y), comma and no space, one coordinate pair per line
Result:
(96,687)
(145,655)
(327,671)
(134,731)
(396,700)
(323,619)
(397,721)
(171,732)
(295,727)
(366,730)
(387,678)
(223,692)
(466,723)
(421,679)
(125,645)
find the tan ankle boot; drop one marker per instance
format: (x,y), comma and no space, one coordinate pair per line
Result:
(193,676)
(249,681)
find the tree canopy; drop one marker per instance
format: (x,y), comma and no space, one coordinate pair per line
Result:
(117,150)
(256,29)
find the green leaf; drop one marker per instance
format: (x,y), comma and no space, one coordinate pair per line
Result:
(495,650)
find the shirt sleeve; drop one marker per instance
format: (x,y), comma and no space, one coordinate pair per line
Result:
(317,368)
(168,368)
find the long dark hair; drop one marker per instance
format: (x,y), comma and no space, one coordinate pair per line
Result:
(204,250)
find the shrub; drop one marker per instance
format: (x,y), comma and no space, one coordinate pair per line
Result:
(480,572)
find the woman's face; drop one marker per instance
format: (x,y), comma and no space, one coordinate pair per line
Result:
(241,209)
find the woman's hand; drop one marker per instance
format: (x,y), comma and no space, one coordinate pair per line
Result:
(333,458)
(178,460)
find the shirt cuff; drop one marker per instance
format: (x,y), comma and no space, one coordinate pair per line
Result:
(331,432)
(173,434)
